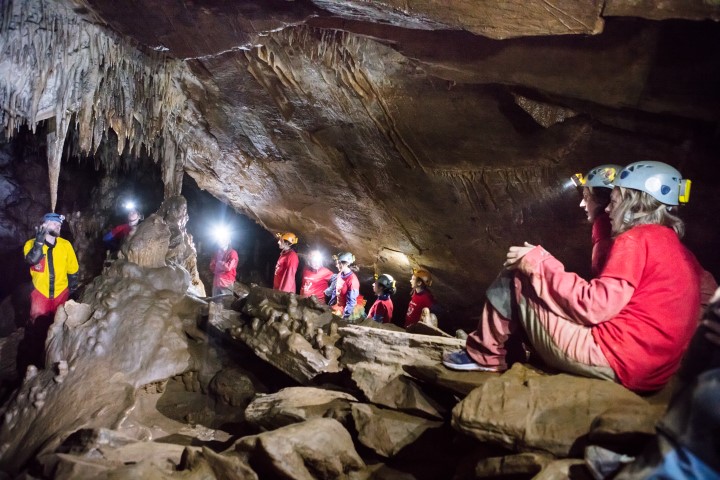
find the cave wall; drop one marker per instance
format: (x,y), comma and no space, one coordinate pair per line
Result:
(410,133)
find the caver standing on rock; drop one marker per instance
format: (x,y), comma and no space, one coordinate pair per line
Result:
(633,322)
(596,188)
(347,286)
(382,310)
(54,272)
(287,264)
(420,282)
(223,264)
(315,278)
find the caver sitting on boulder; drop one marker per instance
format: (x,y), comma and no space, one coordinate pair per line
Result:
(632,323)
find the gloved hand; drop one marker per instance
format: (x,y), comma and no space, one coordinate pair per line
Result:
(36,252)
(40,233)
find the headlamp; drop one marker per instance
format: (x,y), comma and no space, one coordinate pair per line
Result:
(684,195)
(221,234)
(578,179)
(130,206)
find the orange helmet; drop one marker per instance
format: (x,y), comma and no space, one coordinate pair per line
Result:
(423,275)
(288,237)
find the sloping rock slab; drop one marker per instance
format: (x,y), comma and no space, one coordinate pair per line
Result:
(317,449)
(376,359)
(297,404)
(388,431)
(460,383)
(523,410)
(422,328)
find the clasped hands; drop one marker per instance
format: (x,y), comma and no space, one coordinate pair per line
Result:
(515,254)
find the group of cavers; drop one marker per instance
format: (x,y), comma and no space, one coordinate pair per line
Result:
(631,323)
(340,290)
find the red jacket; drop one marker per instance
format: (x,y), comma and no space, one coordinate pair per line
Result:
(602,241)
(418,301)
(285,270)
(643,308)
(315,282)
(224,267)
(382,309)
(347,289)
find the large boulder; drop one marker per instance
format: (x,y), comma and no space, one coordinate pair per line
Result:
(317,449)
(376,358)
(297,404)
(524,410)
(125,336)
(286,331)
(388,431)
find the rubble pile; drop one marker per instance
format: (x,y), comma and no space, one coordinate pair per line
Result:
(145,379)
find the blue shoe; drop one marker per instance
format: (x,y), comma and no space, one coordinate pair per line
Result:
(460,360)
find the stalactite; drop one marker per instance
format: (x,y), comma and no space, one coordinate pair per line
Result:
(95,79)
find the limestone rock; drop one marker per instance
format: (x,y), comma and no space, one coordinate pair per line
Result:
(181,248)
(8,355)
(297,404)
(563,470)
(523,410)
(525,464)
(461,383)
(626,426)
(376,358)
(509,19)
(97,355)
(149,246)
(232,386)
(207,464)
(283,332)
(317,449)
(388,431)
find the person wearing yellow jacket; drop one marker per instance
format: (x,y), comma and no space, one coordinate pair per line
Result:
(53,267)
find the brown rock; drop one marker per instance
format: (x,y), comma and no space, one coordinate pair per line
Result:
(376,357)
(297,404)
(232,386)
(523,410)
(520,464)
(626,426)
(387,431)
(317,449)
(564,470)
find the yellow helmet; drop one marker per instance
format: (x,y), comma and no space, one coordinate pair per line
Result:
(289,237)
(423,275)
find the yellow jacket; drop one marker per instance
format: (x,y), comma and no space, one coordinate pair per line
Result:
(50,274)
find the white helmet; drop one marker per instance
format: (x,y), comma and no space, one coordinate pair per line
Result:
(660,180)
(602,176)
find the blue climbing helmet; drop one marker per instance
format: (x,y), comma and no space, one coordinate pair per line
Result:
(53,217)
(602,176)
(657,179)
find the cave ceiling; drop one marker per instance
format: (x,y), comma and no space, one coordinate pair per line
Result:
(413,132)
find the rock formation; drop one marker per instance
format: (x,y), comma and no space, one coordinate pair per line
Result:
(412,133)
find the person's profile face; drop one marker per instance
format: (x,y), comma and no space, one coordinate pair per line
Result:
(589,204)
(615,201)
